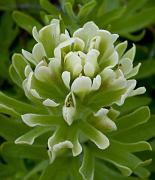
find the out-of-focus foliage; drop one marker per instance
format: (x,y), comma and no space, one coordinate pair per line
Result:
(8,33)
(131,19)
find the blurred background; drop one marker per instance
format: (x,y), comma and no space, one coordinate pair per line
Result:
(132,20)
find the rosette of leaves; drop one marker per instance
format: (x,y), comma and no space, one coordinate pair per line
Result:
(72,84)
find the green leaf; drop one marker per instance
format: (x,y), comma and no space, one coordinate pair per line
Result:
(57,170)
(9,29)
(142,172)
(87,167)
(11,129)
(133,119)
(5,170)
(102,99)
(136,37)
(38,168)
(121,47)
(133,103)
(148,155)
(9,111)
(135,22)
(7,5)
(109,173)
(110,16)
(49,7)
(41,120)
(69,10)
(25,21)
(15,77)
(135,147)
(74,166)
(94,135)
(144,72)
(140,133)
(120,157)
(55,92)
(19,106)
(19,64)
(24,151)
(31,135)
(4,64)
(153,144)
(12,168)
(86,9)
(133,6)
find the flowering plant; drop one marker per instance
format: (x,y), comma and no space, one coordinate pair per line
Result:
(75,84)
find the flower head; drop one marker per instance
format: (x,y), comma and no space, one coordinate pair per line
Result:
(74,81)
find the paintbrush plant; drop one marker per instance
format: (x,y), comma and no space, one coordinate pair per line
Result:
(74,84)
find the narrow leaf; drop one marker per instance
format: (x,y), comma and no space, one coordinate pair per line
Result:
(25,21)
(143,72)
(111,16)
(57,170)
(41,120)
(133,119)
(24,151)
(15,77)
(19,64)
(86,9)
(139,133)
(11,129)
(102,98)
(30,136)
(87,167)
(133,103)
(135,22)
(49,7)
(18,105)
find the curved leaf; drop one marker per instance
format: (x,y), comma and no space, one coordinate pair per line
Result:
(25,21)
(87,167)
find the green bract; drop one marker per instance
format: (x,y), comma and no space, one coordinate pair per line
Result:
(72,83)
